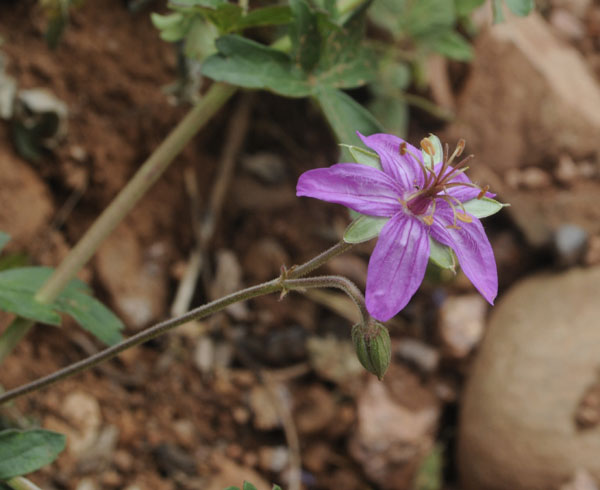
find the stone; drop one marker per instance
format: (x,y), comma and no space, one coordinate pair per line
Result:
(462,323)
(524,76)
(134,275)
(537,362)
(570,244)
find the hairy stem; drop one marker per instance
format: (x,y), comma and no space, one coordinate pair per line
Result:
(287,282)
(145,177)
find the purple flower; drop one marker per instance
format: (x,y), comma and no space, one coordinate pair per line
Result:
(422,202)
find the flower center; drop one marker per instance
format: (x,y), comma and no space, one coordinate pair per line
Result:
(422,201)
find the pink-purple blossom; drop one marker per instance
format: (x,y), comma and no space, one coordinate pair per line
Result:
(422,202)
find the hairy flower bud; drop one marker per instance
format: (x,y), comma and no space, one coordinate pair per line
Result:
(373,347)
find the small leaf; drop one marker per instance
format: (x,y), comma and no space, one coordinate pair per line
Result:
(452,45)
(441,255)
(305,35)
(498,12)
(248,486)
(465,7)
(364,157)
(430,473)
(438,155)
(92,316)
(249,64)
(22,452)
(232,488)
(484,207)
(22,303)
(266,16)
(276,487)
(520,7)
(346,117)
(364,228)
(4,239)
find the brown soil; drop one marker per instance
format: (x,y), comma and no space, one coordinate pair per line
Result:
(162,419)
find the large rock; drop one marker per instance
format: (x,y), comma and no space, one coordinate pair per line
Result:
(529,100)
(539,360)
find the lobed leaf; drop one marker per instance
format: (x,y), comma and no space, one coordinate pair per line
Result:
(304,35)
(22,452)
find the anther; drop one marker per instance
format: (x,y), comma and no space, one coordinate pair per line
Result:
(427,146)
(483,192)
(403,148)
(465,218)
(428,219)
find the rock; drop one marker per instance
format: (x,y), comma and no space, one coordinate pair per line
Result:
(570,244)
(273,458)
(25,204)
(528,178)
(227,280)
(581,481)
(462,323)
(417,354)
(264,259)
(314,410)
(135,277)
(592,255)
(266,416)
(229,473)
(171,460)
(567,25)
(390,439)
(334,359)
(538,360)
(267,167)
(524,77)
(566,171)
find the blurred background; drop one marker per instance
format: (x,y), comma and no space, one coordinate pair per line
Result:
(477,397)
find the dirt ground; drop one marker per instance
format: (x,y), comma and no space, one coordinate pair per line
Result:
(220,401)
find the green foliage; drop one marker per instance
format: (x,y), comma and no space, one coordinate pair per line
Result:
(19,285)
(364,228)
(22,452)
(57,12)
(4,239)
(430,475)
(484,207)
(249,486)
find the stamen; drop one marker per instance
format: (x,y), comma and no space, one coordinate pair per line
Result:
(403,148)
(427,146)
(465,218)
(460,146)
(483,191)
(428,219)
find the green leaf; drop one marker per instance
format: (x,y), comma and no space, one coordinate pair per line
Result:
(266,16)
(498,12)
(392,111)
(520,7)
(438,155)
(232,488)
(17,294)
(169,21)
(452,45)
(346,117)
(430,473)
(441,255)
(91,315)
(200,39)
(305,35)
(22,452)
(465,7)
(364,157)
(4,239)
(364,229)
(22,303)
(484,207)
(249,64)
(276,487)
(248,486)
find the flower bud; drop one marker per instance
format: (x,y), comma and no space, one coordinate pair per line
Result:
(373,347)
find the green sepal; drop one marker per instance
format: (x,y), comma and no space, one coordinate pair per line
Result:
(363,156)
(364,228)
(484,207)
(441,255)
(438,156)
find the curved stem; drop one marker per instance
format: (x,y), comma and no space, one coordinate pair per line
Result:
(21,483)
(284,283)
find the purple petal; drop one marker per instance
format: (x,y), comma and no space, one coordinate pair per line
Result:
(359,187)
(402,168)
(472,247)
(397,266)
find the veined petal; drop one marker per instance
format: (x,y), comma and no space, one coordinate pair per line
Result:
(402,168)
(397,266)
(359,187)
(472,249)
